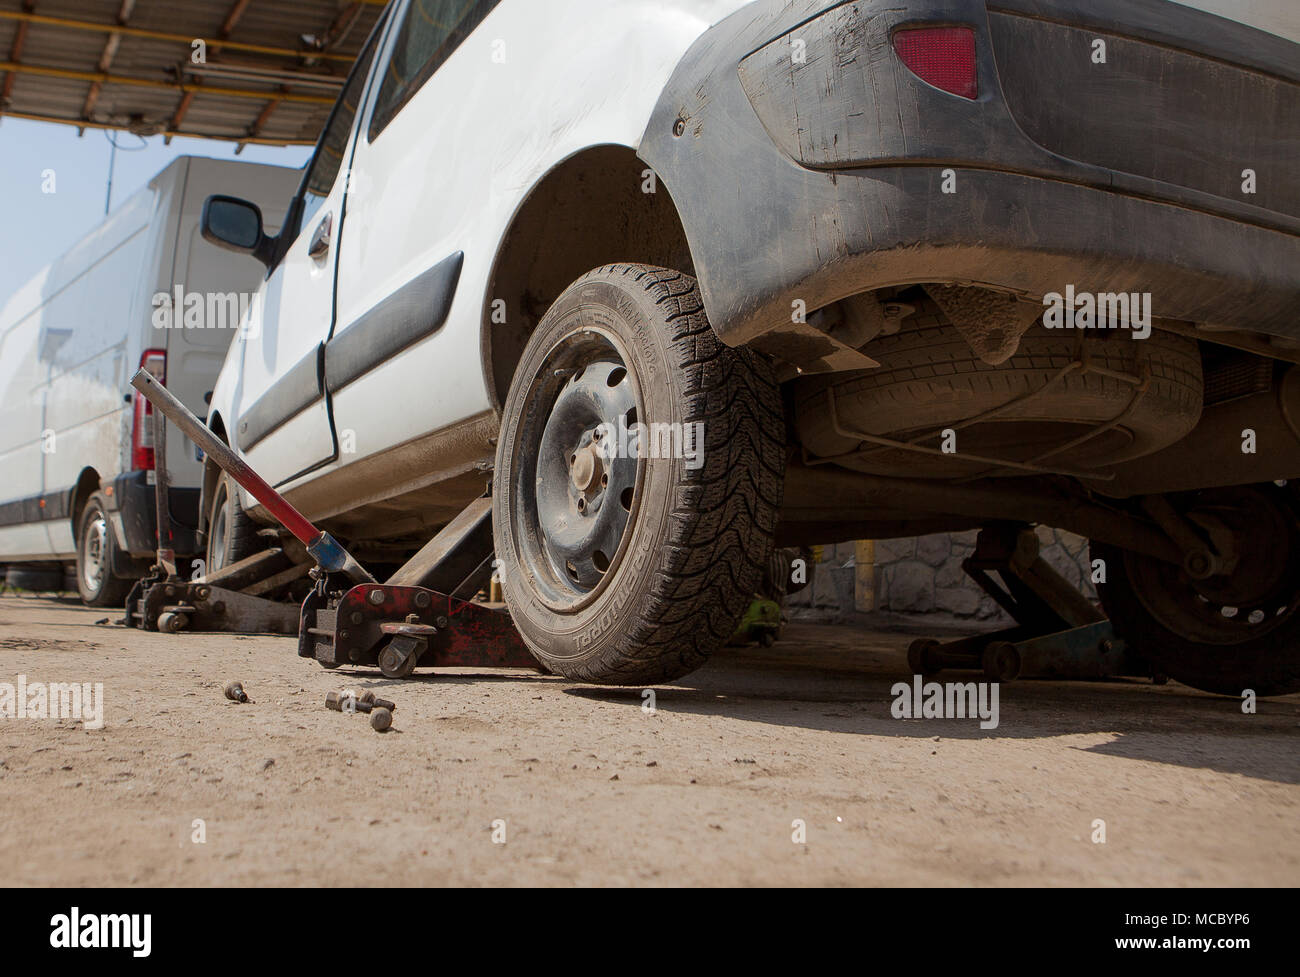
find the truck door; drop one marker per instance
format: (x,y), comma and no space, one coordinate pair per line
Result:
(400,266)
(284,423)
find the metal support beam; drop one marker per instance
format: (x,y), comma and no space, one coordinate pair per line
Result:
(255,129)
(179,115)
(107,79)
(223,137)
(232,18)
(850,495)
(28,17)
(15,55)
(338,31)
(334,35)
(106,58)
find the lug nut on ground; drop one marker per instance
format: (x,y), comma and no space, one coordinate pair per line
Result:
(342,702)
(374,700)
(381,710)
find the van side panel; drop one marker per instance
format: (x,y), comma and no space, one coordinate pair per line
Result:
(23,535)
(62,407)
(71,339)
(206,290)
(86,326)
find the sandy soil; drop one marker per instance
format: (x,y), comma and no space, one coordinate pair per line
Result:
(595,790)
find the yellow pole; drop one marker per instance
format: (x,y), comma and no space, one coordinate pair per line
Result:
(864,575)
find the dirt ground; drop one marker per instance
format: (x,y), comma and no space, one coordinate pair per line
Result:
(594,789)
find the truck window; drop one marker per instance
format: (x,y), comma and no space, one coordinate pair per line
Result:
(430,32)
(327,162)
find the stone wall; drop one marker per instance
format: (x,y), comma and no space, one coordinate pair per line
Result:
(920,576)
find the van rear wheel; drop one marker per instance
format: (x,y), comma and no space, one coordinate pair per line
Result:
(1233,632)
(232,535)
(638,477)
(97,552)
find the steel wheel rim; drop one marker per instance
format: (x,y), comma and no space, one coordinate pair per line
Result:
(576,496)
(217,534)
(93,552)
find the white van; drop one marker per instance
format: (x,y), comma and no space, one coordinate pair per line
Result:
(75,446)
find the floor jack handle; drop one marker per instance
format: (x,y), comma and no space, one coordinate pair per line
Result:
(162,502)
(324,549)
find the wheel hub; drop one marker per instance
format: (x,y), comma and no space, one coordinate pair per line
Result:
(586,468)
(586,473)
(96,546)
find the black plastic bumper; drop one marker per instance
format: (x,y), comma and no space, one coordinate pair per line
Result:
(133,500)
(820,179)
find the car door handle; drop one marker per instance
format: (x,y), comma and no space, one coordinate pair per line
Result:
(320,238)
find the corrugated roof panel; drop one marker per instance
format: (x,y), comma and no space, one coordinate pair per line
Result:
(151,84)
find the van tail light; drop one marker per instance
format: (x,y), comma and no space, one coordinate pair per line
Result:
(142,459)
(941,56)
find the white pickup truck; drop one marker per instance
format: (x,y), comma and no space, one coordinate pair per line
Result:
(684,277)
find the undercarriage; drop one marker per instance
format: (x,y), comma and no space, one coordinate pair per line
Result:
(1172,453)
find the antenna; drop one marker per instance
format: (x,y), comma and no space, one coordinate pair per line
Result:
(111,136)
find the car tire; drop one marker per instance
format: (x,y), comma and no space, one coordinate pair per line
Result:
(648,577)
(232,535)
(1229,634)
(97,554)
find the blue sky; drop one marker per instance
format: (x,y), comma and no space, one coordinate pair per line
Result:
(37,227)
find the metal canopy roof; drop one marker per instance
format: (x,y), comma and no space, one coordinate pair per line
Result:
(273,67)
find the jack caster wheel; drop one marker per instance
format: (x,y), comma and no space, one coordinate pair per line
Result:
(1001,662)
(921,656)
(171,623)
(391,665)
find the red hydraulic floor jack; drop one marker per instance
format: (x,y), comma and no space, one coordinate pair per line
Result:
(420,616)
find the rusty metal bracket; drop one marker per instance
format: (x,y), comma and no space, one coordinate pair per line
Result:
(203,607)
(1201,559)
(361,625)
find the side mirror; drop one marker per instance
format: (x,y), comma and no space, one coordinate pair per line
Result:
(236,225)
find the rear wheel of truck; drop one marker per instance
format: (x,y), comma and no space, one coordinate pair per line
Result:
(232,535)
(96,554)
(36,579)
(1236,631)
(638,478)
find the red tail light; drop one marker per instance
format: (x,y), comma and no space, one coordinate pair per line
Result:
(941,56)
(142,459)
